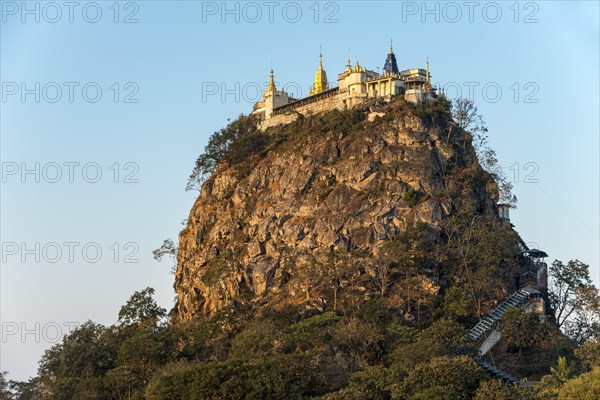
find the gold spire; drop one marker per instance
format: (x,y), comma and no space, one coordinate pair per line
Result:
(271,81)
(320,84)
(320,58)
(427,71)
(349,63)
(271,88)
(391,46)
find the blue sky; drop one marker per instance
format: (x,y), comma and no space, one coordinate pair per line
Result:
(534,67)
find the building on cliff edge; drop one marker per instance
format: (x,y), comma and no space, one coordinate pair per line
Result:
(355,85)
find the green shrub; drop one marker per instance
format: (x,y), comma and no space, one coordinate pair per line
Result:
(444,337)
(457,303)
(277,377)
(214,270)
(376,382)
(585,387)
(522,329)
(498,390)
(233,144)
(255,341)
(375,311)
(458,377)
(412,197)
(434,112)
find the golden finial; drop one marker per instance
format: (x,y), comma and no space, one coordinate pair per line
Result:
(391,46)
(349,63)
(271,86)
(320,57)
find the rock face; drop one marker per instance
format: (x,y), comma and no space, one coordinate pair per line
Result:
(257,227)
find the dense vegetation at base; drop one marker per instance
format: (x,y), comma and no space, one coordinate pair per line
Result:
(359,345)
(369,353)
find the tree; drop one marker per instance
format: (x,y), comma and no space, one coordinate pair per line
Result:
(585,387)
(465,114)
(376,312)
(33,389)
(588,354)
(257,340)
(311,277)
(168,249)
(444,337)
(5,393)
(457,303)
(382,274)
(585,322)
(277,377)
(373,383)
(481,256)
(172,382)
(338,268)
(570,289)
(457,377)
(142,353)
(499,390)
(467,118)
(74,368)
(413,249)
(560,373)
(359,341)
(310,333)
(522,329)
(196,336)
(141,307)
(434,113)
(231,144)
(404,261)
(214,152)
(436,393)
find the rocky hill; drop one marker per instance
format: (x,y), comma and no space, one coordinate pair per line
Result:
(347,255)
(341,183)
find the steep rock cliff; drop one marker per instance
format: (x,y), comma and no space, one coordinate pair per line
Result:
(335,185)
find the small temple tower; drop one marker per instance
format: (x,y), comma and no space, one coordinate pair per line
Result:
(348,63)
(391,66)
(389,83)
(320,84)
(418,84)
(351,85)
(272,98)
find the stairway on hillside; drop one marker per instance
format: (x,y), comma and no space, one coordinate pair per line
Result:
(528,281)
(496,373)
(518,299)
(486,326)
